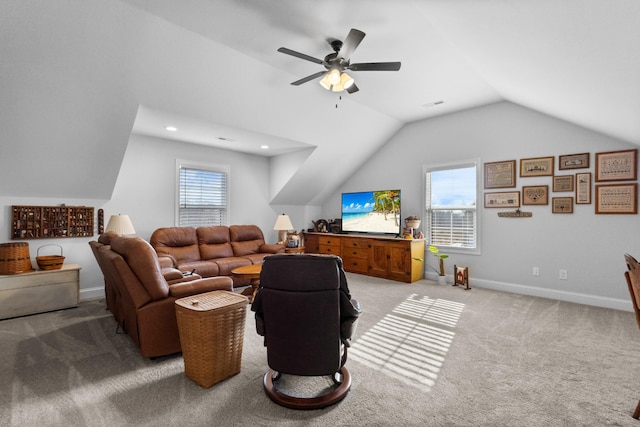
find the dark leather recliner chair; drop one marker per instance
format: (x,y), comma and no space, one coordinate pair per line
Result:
(307,317)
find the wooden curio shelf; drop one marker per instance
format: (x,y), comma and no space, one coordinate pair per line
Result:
(42,222)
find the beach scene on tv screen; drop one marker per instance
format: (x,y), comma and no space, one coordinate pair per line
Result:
(371,211)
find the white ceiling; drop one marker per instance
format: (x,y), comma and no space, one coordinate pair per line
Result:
(211,68)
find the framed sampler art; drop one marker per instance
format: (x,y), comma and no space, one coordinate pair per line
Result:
(500,174)
(583,188)
(539,166)
(617,165)
(562,205)
(562,183)
(535,195)
(508,199)
(617,198)
(574,161)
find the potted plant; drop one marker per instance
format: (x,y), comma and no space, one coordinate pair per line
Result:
(436,252)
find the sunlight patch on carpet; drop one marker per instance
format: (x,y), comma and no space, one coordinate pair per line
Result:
(410,343)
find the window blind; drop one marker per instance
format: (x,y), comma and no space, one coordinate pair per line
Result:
(203,197)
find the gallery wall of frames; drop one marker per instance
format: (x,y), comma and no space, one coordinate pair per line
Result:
(611,188)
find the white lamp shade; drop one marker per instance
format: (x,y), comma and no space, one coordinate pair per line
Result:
(283,223)
(120,224)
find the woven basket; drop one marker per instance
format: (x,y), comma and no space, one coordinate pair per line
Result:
(49,262)
(14,258)
(211,327)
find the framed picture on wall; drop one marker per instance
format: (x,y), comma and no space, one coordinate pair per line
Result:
(617,165)
(500,174)
(535,195)
(583,188)
(562,205)
(539,166)
(617,198)
(508,199)
(574,161)
(562,183)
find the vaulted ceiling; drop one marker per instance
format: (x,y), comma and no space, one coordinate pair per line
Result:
(77,78)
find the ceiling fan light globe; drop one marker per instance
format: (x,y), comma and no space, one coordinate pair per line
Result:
(334,76)
(324,82)
(337,88)
(346,81)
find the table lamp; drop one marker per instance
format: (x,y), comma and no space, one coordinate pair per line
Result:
(283,224)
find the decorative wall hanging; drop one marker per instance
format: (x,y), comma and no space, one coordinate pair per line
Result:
(617,165)
(535,195)
(538,166)
(500,174)
(509,199)
(562,183)
(617,198)
(562,205)
(574,161)
(583,188)
(515,214)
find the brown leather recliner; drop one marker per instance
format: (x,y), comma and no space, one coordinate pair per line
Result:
(146,301)
(305,312)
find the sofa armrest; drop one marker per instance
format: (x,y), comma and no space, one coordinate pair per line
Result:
(171,274)
(167,261)
(198,286)
(275,248)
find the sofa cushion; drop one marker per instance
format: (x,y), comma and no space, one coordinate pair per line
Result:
(181,243)
(214,242)
(246,248)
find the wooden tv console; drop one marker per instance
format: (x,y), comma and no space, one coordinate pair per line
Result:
(386,257)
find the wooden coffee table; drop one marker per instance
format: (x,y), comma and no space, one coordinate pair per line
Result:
(251,272)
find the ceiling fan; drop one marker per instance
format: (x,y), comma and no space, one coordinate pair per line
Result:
(337,63)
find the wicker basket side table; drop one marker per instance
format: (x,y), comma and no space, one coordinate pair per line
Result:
(211,327)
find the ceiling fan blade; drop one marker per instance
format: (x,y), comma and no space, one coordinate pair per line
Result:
(350,43)
(300,55)
(353,88)
(375,66)
(309,78)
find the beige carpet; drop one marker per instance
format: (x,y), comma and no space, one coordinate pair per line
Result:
(424,354)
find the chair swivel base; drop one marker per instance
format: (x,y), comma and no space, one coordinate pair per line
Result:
(317,402)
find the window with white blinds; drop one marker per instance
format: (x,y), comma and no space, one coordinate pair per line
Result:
(202,195)
(451,196)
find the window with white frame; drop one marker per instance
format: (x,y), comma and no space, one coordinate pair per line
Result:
(451,202)
(202,195)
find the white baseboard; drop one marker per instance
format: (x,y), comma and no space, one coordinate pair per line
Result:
(91,294)
(578,298)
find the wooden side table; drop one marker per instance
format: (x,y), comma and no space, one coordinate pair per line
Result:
(298,250)
(251,272)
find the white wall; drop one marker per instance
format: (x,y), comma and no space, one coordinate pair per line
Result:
(145,190)
(589,246)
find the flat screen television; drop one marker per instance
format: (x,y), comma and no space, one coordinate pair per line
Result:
(373,212)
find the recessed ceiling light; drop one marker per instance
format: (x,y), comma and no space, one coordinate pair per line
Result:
(433,103)
(171,128)
(264,147)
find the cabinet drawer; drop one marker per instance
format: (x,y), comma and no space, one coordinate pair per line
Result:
(361,244)
(329,241)
(329,249)
(355,253)
(355,265)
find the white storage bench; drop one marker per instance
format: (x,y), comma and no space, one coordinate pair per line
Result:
(39,291)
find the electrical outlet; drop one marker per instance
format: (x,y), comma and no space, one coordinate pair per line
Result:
(536,271)
(562,275)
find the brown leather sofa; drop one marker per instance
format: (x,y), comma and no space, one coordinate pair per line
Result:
(214,250)
(141,294)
